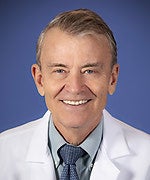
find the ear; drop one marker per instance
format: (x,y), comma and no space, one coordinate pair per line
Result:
(113,79)
(38,79)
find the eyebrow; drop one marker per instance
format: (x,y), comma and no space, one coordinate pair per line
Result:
(97,64)
(57,65)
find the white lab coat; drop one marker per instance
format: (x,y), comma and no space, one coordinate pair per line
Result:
(123,155)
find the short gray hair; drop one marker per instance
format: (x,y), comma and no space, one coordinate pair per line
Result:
(78,22)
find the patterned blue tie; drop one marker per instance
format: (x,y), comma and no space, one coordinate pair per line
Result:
(70,154)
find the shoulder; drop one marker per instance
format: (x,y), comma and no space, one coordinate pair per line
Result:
(19,130)
(19,137)
(15,143)
(23,130)
(133,137)
(127,146)
(16,140)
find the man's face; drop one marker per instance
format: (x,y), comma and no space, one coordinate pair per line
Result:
(75,78)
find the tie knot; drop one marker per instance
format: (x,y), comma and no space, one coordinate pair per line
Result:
(70,154)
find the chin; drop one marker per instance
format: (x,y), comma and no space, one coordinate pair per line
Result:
(75,122)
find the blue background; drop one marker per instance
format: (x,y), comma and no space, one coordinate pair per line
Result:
(20,25)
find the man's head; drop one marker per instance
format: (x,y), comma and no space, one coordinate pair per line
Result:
(76,69)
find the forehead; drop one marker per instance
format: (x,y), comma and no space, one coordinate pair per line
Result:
(56,33)
(59,44)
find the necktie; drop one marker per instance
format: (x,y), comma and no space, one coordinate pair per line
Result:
(70,154)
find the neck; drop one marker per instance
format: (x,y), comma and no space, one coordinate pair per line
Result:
(75,136)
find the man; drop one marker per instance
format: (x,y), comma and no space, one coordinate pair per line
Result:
(75,71)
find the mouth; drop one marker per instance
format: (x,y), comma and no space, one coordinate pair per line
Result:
(75,103)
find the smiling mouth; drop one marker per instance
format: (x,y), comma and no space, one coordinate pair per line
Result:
(75,103)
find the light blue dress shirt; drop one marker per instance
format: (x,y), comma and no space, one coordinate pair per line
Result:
(90,145)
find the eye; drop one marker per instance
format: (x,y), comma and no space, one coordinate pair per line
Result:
(60,71)
(89,71)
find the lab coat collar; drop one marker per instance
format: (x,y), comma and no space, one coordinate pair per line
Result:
(114,141)
(113,138)
(38,150)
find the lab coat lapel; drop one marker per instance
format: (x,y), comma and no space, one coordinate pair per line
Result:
(112,148)
(39,158)
(104,168)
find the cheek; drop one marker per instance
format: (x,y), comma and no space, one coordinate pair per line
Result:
(101,99)
(99,87)
(52,89)
(101,96)
(50,94)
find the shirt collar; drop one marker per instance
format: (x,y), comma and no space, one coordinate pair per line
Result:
(93,140)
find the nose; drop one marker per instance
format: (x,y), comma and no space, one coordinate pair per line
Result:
(75,83)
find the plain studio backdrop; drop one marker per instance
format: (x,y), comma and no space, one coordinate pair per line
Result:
(20,25)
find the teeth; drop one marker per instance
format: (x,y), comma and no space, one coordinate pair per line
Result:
(75,103)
